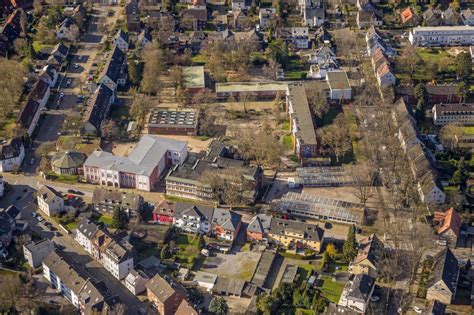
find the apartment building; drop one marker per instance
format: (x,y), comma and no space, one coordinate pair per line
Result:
(141,169)
(432,36)
(296,235)
(50,201)
(107,200)
(117,260)
(457,113)
(35,252)
(301,122)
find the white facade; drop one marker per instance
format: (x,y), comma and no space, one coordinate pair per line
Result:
(121,44)
(386,79)
(433,196)
(459,114)
(108,82)
(299,37)
(10,163)
(60,287)
(265,15)
(193,224)
(135,282)
(84,241)
(119,270)
(52,206)
(35,252)
(442,36)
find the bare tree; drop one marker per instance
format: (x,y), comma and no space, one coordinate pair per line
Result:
(364,176)
(336,137)
(317,100)
(45,149)
(140,108)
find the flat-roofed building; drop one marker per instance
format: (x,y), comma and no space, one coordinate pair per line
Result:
(35,252)
(339,86)
(194,79)
(459,114)
(301,122)
(260,90)
(182,122)
(429,36)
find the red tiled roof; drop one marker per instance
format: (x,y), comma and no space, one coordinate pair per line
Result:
(406,15)
(450,220)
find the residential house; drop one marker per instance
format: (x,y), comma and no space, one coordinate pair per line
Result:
(432,17)
(37,99)
(12,153)
(50,75)
(241,4)
(205,280)
(375,42)
(250,37)
(449,227)
(467,17)
(197,4)
(57,58)
(121,41)
(117,260)
(196,39)
(454,113)
(368,257)
(300,37)
(164,212)
(185,308)
(99,242)
(258,228)
(240,20)
(35,252)
(50,201)
(114,73)
(451,17)
(98,109)
(141,169)
(135,281)
(2,186)
(339,86)
(75,284)
(367,19)
(301,122)
(443,282)
(320,71)
(106,201)
(357,293)
(164,296)
(409,18)
(186,180)
(385,76)
(132,15)
(265,17)
(296,235)
(144,38)
(194,19)
(85,233)
(226,224)
(67,30)
(322,55)
(425,36)
(194,219)
(314,16)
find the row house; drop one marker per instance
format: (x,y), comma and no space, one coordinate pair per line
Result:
(141,169)
(444,277)
(49,74)
(194,19)
(436,94)
(114,73)
(467,17)
(356,294)
(115,258)
(382,68)
(428,186)
(50,201)
(121,40)
(296,235)
(258,228)
(67,30)
(106,201)
(375,41)
(98,109)
(226,224)
(455,113)
(301,122)
(133,16)
(369,255)
(12,153)
(436,17)
(298,36)
(36,102)
(449,225)
(427,36)
(76,285)
(58,57)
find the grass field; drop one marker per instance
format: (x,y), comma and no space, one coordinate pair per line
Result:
(188,249)
(107,220)
(434,55)
(288,142)
(468,130)
(71,226)
(331,290)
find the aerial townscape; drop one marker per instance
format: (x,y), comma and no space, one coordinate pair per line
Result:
(273,157)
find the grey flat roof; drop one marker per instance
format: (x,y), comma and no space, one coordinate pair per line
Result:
(263,268)
(251,86)
(173,118)
(302,114)
(193,77)
(338,80)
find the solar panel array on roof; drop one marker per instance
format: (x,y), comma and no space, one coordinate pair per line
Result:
(317,207)
(323,176)
(173,118)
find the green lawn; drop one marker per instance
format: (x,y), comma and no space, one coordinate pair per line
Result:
(302,311)
(331,290)
(199,59)
(188,245)
(433,55)
(286,125)
(468,130)
(106,219)
(71,226)
(64,178)
(288,142)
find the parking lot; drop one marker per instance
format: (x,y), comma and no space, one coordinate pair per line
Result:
(240,265)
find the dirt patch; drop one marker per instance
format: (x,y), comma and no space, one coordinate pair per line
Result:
(240,265)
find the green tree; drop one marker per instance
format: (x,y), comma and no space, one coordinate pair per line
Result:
(218,306)
(325,260)
(349,249)
(267,304)
(463,66)
(462,90)
(165,252)
(461,174)
(420,92)
(278,51)
(119,219)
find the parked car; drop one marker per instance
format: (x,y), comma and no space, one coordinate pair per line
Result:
(417,309)
(40,218)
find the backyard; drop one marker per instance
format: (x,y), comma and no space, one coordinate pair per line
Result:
(330,289)
(189,249)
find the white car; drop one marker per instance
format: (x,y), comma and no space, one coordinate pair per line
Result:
(40,219)
(375,298)
(417,309)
